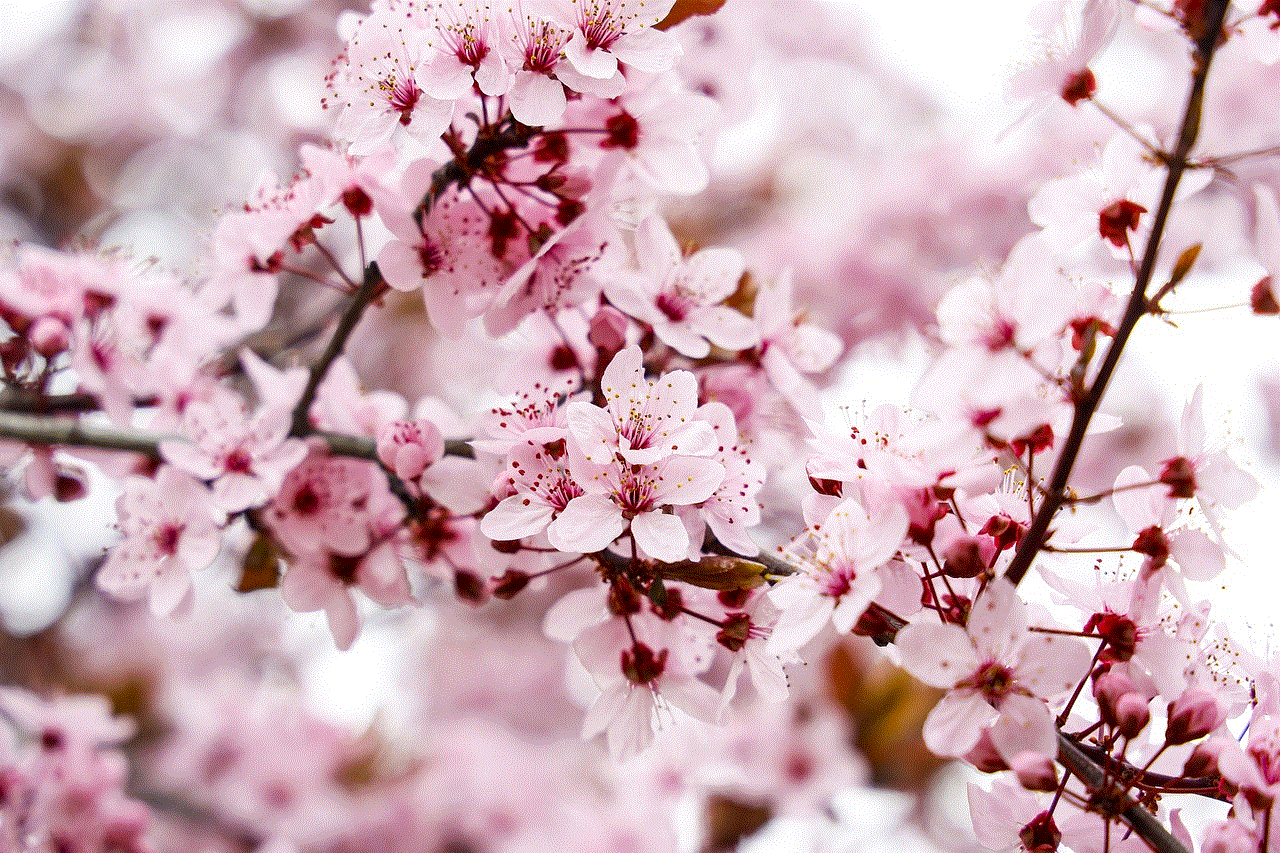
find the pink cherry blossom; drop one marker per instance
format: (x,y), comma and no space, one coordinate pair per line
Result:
(682,297)
(324,504)
(464,34)
(447,255)
(1069,37)
(644,420)
(170,529)
(607,32)
(409,447)
(325,580)
(837,576)
(382,86)
(536,486)
(998,675)
(246,457)
(791,347)
(624,496)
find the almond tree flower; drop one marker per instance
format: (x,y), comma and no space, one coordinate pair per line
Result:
(682,298)
(465,36)
(249,247)
(170,529)
(324,504)
(79,724)
(623,496)
(381,84)
(1011,818)
(606,32)
(1067,38)
(998,675)
(324,580)
(790,347)
(644,420)
(1108,201)
(448,256)
(64,776)
(536,485)
(359,183)
(1208,475)
(836,578)
(101,358)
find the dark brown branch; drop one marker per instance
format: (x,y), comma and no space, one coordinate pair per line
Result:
(1144,823)
(1033,540)
(370,289)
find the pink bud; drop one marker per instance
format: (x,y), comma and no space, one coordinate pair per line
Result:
(1132,714)
(1193,715)
(968,556)
(409,447)
(1203,760)
(1108,688)
(49,336)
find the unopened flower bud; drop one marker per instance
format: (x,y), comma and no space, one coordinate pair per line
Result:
(968,557)
(409,447)
(608,333)
(49,336)
(1192,715)
(510,584)
(1108,689)
(1132,714)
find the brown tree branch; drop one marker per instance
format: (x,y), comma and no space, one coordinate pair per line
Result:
(1056,492)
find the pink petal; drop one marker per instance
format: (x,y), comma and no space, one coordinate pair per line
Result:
(660,536)
(938,655)
(587,524)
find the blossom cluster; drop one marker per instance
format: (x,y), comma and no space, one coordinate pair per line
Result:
(651,480)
